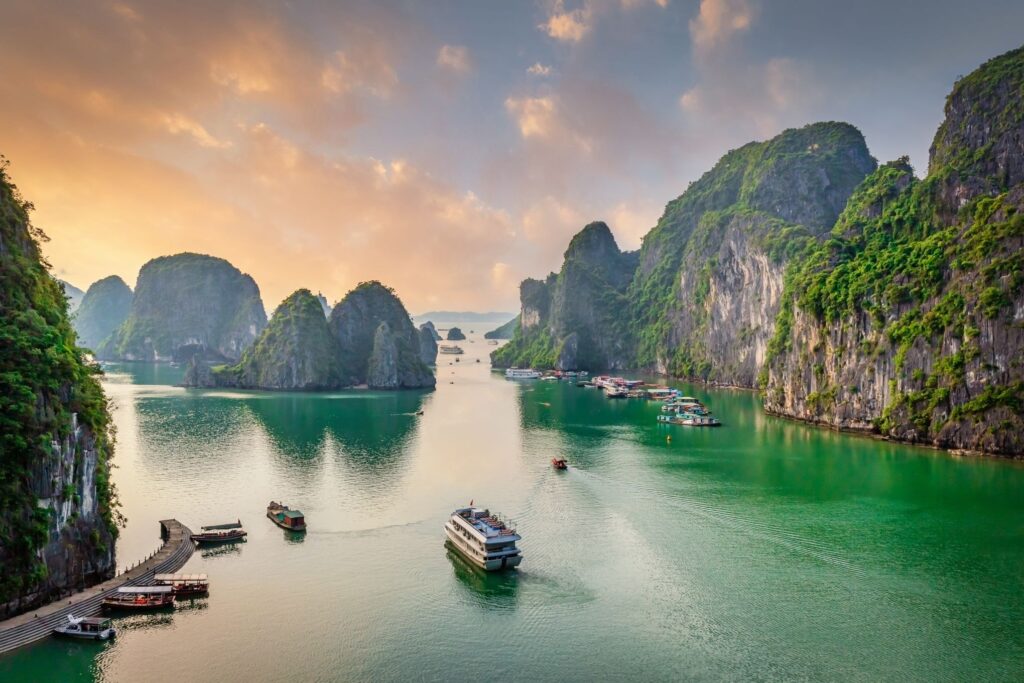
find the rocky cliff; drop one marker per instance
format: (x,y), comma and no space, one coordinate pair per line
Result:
(296,351)
(909,320)
(710,278)
(574,320)
(185,305)
(74,295)
(57,505)
(455,334)
(506,331)
(428,343)
(366,347)
(104,308)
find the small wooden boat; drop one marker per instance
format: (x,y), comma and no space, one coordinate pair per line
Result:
(220,533)
(184,585)
(559,464)
(140,598)
(286,518)
(87,628)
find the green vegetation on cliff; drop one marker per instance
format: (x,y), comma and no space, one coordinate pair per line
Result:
(295,351)
(186,304)
(43,380)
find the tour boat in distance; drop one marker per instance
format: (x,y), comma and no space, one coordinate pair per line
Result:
(286,518)
(450,349)
(690,420)
(220,533)
(140,598)
(521,373)
(484,539)
(89,628)
(559,463)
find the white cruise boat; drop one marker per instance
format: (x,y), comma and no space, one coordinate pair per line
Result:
(483,539)
(521,373)
(449,349)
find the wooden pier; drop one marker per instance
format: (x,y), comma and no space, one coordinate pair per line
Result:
(39,623)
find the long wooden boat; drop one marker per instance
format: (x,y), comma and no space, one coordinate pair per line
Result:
(140,598)
(184,585)
(286,518)
(220,533)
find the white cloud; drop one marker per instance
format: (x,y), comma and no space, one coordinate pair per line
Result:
(539,69)
(367,70)
(717,21)
(454,58)
(535,116)
(568,25)
(177,123)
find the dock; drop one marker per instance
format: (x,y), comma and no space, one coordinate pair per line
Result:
(39,623)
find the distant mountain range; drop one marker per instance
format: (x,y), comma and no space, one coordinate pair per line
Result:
(464,317)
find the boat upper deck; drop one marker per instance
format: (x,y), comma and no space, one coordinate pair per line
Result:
(490,526)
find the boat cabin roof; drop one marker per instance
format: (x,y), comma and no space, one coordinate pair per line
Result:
(142,590)
(294,514)
(481,520)
(180,578)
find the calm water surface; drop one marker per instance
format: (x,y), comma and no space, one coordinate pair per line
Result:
(763,550)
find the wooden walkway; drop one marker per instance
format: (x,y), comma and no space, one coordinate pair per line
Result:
(37,624)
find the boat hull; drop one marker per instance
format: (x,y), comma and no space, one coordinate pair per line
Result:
(274,519)
(463,547)
(203,539)
(105,634)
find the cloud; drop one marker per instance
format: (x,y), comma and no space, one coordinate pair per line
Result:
(535,116)
(717,21)
(454,58)
(568,25)
(176,123)
(539,69)
(369,71)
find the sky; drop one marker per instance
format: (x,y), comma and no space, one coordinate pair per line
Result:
(448,149)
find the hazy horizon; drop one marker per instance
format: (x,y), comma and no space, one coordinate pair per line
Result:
(448,151)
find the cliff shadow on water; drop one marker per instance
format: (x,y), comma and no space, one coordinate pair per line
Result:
(370,428)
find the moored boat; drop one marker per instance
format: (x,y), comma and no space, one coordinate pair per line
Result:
(484,539)
(87,628)
(286,518)
(184,585)
(521,373)
(220,533)
(140,598)
(690,420)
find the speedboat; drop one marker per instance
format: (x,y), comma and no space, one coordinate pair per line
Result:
(559,463)
(88,628)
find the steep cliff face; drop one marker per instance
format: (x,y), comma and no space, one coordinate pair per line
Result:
(455,334)
(185,305)
(506,331)
(296,351)
(574,320)
(355,323)
(74,295)
(57,509)
(709,284)
(909,321)
(428,343)
(104,308)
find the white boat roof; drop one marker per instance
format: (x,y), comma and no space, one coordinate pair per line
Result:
(180,577)
(481,520)
(145,589)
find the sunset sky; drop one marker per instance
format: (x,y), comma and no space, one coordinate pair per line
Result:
(448,149)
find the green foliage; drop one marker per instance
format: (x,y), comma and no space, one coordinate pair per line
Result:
(43,380)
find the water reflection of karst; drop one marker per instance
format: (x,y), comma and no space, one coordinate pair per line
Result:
(372,434)
(491,590)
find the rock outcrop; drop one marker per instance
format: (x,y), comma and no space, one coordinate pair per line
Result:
(455,334)
(909,321)
(428,343)
(584,304)
(57,506)
(104,308)
(382,369)
(296,351)
(185,305)
(506,331)
(355,322)
(74,295)
(323,304)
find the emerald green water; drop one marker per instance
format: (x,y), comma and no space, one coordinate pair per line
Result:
(763,550)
